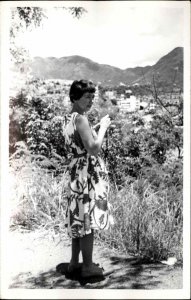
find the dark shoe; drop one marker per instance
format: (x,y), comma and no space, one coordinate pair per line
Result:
(91,271)
(73,268)
(73,272)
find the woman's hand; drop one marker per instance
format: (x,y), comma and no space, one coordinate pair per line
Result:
(105,122)
(94,133)
(91,142)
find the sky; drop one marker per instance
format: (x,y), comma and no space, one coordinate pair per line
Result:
(123,34)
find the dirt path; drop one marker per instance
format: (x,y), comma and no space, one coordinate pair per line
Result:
(33,257)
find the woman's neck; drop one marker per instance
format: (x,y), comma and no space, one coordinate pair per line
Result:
(77,109)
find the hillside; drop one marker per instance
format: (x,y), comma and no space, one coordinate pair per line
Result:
(77,67)
(169,68)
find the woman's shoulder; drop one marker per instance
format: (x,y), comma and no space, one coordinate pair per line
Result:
(80,120)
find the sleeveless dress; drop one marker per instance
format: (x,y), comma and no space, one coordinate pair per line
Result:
(87,207)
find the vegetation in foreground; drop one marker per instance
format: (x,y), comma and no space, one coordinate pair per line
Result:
(144,160)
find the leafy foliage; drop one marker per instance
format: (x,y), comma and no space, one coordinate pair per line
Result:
(27,18)
(38,199)
(77,12)
(38,123)
(134,147)
(144,159)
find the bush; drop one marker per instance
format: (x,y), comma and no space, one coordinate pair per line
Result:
(146,222)
(145,173)
(38,198)
(37,121)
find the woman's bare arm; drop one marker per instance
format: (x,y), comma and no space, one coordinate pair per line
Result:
(92,143)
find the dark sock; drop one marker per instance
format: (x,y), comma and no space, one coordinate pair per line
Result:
(75,251)
(86,245)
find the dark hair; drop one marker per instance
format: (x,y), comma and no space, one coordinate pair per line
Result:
(79,88)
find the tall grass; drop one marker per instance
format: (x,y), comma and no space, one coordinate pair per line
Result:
(146,222)
(38,198)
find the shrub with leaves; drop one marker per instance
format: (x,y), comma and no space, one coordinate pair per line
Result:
(38,121)
(144,162)
(38,198)
(134,147)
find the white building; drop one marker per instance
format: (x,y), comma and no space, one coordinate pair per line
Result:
(110,94)
(128,104)
(67,100)
(143,104)
(96,95)
(152,105)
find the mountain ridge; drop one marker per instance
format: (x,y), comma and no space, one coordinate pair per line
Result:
(76,67)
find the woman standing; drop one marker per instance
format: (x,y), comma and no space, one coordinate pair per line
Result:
(88,207)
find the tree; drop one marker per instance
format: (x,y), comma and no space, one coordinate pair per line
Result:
(27,18)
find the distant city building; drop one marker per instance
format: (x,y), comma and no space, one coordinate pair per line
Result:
(110,94)
(122,97)
(152,105)
(128,93)
(66,100)
(96,97)
(143,104)
(128,104)
(41,91)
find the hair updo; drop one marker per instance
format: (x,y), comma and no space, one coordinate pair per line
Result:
(79,88)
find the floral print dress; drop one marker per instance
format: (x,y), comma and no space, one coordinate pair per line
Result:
(88,207)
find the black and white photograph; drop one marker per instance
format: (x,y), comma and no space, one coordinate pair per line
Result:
(95,149)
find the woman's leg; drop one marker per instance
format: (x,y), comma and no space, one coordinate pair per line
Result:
(75,251)
(86,246)
(89,269)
